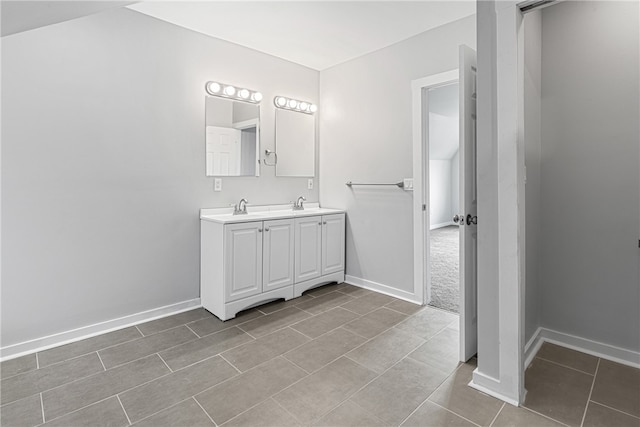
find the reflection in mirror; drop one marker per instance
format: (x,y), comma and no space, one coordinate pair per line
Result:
(295,143)
(232,137)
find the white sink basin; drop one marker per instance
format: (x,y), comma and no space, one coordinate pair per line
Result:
(262,214)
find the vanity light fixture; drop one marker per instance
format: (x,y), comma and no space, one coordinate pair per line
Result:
(230,91)
(294,105)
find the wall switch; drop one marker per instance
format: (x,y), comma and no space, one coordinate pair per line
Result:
(407,184)
(310,184)
(217,184)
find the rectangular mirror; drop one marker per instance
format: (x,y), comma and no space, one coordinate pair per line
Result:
(232,137)
(295,143)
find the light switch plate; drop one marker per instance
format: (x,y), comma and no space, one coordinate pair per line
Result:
(408,184)
(310,184)
(217,184)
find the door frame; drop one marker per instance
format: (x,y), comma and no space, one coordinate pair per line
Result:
(421,217)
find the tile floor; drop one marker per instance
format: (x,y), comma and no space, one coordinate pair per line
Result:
(337,356)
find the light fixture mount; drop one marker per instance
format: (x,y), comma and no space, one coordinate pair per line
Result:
(294,105)
(228,91)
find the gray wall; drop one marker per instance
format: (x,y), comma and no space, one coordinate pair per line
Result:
(366,133)
(590,172)
(532,128)
(103,165)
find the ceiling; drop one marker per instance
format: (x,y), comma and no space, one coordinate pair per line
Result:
(316,34)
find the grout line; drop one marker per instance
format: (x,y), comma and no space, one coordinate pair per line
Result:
(37,361)
(285,409)
(194,332)
(232,365)
(122,406)
(42,408)
(614,409)
(565,366)
(454,413)
(593,383)
(544,416)
(203,410)
(100,358)
(496,417)
(165,363)
(163,409)
(82,408)
(142,335)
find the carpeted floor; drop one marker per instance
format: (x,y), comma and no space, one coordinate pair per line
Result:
(445,268)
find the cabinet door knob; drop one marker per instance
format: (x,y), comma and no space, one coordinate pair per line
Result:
(325,222)
(259,230)
(320,223)
(266,229)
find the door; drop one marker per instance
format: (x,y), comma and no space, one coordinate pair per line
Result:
(223,151)
(277,251)
(243,260)
(332,243)
(308,248)
(468,206)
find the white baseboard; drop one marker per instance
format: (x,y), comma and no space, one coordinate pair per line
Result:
(440,225)
(488,385)
(383,289)
(55,340)
(584,345)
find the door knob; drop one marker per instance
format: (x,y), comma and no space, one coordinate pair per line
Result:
(456,219)
(472,219)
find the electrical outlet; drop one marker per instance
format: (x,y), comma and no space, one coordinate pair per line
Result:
(217,184)
(310,184)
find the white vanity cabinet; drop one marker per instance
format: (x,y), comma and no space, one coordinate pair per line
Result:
(246,260)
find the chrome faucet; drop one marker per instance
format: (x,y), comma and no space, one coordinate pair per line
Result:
(241,207)
(298,205)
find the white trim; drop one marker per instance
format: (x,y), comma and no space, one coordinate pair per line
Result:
(440,225)
(489,385)
(66,337)
(383,289)
(421,272)
(583,345)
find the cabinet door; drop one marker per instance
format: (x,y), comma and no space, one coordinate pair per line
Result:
(277,253)
(243,260)
(332,243)
(308,252)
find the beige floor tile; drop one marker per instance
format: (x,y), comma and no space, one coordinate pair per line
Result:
(147,399)
(272,322)
(319,352)
(266,414)
(267,347)
(23,412)
(171,322)
(79,348)
(354,291)
(430,414)
(385,350)
(427,322)
(280,304)
(321,290)
(557,392)
(441,351)
(324,322)
(350,415)
(511,416)
(105,413)
(455,395)
(319,393)
(19,365)
(205,347)
(405,307)
(375,323)
(368,303)
(567,357)
(89,390)
(187,414)
(33,382)
(398,392)
(227,400)
(210,325)
(325,302)
(142,347)
(601,416)
(618,386)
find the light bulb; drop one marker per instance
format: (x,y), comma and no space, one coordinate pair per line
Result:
(243,93)
(213,87)
(281,101)
(313,108)
(303,106)
(229,90)
(293,103)
(257,96)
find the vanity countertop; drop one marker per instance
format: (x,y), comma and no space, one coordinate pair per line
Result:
(264,213)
